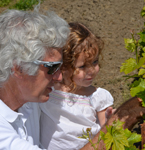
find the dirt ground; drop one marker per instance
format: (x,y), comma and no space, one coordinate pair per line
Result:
(112,20)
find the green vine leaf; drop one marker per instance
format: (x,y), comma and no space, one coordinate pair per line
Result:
(120,139)
(127,133)
(115,136)
(108,140)
(143,12)
(128,66)
(141,72)
(134,138)
(117,146)
(4,3)
(137,87)
(118,125)
(131,148)
(143,49)
(142,37)
(142,96)
(129,45)
(141,62)
(101,136)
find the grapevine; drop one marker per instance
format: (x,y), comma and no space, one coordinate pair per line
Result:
(116,137)
(137,64)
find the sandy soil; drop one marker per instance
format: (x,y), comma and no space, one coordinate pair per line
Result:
(112,20)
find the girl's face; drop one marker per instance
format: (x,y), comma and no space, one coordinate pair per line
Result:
(85,73)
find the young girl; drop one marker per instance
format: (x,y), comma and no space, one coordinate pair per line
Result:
(74,104)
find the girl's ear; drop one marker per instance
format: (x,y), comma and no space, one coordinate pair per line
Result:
(67,75)
(17,71)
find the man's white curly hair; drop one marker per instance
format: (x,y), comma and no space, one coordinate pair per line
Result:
(26,36)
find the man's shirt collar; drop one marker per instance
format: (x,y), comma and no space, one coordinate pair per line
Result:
(8,113)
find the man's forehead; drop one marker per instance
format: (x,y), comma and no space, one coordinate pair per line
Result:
(54,48)
(55,54)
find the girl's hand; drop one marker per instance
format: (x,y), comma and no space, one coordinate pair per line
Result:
(109,112)
(104,115)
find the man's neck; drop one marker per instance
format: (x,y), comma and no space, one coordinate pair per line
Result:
(10,96)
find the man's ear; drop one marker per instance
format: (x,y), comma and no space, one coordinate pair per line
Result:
(17,71)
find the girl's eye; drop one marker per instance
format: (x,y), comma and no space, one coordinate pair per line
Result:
(81,67)
(95,62)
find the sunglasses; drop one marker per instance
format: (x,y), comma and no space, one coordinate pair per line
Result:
(52,66)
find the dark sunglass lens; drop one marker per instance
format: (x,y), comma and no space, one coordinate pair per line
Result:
(53,69)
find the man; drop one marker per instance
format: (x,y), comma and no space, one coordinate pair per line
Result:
(30,58)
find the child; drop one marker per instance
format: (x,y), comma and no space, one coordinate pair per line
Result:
(74,104)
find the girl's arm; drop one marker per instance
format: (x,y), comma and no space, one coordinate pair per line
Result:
(102,117)
(105,114)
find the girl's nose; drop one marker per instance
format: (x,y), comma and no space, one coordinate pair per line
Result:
(57,76)
(91,68)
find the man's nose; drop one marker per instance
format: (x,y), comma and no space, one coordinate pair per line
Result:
(57,76)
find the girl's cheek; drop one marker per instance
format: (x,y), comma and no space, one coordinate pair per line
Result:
(76,72)
(97,69)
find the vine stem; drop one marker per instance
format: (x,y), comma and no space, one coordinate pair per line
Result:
(90,140)
(136,53)
(93,145)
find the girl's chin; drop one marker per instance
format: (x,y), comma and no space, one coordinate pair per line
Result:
(45,99)
(89,84)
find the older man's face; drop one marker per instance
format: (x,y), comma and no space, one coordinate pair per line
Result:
(37,88)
